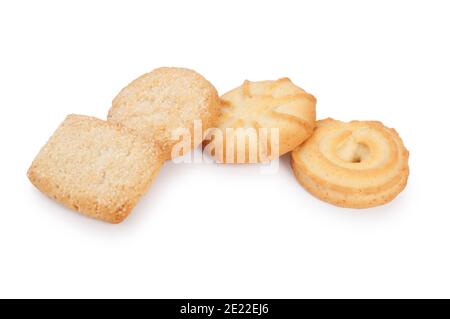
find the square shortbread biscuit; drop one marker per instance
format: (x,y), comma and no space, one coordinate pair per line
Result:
(95,167)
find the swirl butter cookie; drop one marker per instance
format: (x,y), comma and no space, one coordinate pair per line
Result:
(159,103)
(355,164)
(258,117)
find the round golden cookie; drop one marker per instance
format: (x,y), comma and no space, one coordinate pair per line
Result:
(252,111)
(355,164)
(165,101)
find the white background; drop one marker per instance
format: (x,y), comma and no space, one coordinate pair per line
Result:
(228,231)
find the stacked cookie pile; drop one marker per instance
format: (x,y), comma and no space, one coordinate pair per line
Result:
(102,168)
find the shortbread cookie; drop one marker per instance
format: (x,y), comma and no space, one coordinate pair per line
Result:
(97,168)
(165,102)
(260,121)
(355,164)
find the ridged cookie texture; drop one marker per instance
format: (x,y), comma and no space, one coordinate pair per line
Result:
(358,164)
(158,103)
(97,168)
(262,106)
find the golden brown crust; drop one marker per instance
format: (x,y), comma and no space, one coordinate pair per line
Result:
(97,168)
(265,104)
(355,164)
(157,103)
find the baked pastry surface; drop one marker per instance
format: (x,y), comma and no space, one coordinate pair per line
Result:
(262,107)
(97,168)
(158,103)
(355,164)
